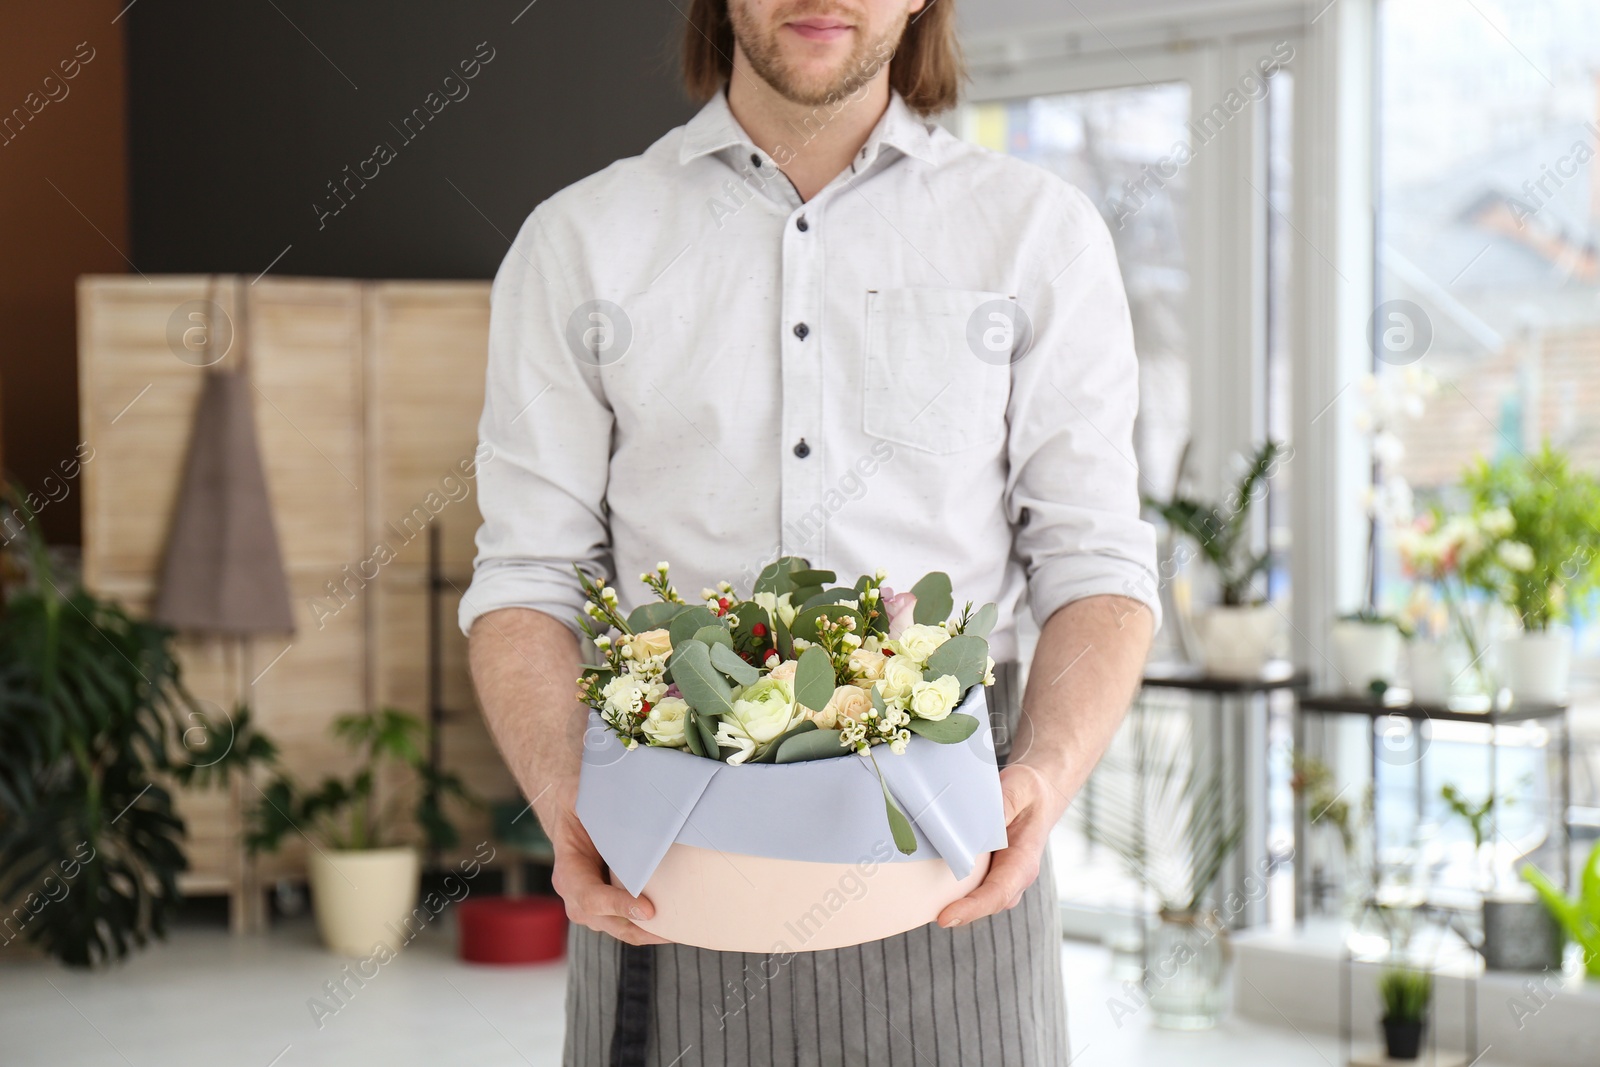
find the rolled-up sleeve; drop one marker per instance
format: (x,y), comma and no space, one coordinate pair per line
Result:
(544,443)
(1073,485)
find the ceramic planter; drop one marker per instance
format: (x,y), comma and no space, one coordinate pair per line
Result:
(1537,664)
(1402,1038)
(1364,652)
(1432,675)
(1238,641)
(363,897)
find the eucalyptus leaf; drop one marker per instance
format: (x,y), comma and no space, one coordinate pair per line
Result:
(702,685)
(654,616)
(982,621)
(813,679)
(831,596)
(777,576)
(950,730)
(691,734)
(708,735)
(726,660)
(810,745)
(905,839)
(771,753)
(715,635)
(877,701)
(688,622)
(966,657)
(934,599)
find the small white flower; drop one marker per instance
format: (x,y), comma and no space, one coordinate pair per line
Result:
(662,567)
(1515,556)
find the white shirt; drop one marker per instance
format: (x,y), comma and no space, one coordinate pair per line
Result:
(667,423)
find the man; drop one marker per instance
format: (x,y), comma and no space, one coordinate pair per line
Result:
(808,323)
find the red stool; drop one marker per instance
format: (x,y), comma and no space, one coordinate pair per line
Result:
(505,930)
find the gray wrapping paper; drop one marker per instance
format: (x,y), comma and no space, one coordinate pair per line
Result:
(635,804)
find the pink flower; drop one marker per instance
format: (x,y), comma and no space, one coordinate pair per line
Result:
(900,607)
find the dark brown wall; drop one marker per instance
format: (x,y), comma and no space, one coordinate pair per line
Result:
(63,212)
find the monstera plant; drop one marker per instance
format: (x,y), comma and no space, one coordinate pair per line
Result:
(90,847)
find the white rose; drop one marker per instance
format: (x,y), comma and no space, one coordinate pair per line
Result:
(666,722)
(900,678)
(764,710)
(918,642)
(935,699)
(650,644)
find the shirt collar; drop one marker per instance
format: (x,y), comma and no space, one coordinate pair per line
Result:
(714,128)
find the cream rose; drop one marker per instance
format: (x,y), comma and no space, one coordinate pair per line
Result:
(935,699)
(666,722)
(650,643)
(784,672)
(918,642)
(847,702)
(866,666)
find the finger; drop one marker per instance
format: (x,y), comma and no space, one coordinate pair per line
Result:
(623,930)
(1011,872)
(579,883)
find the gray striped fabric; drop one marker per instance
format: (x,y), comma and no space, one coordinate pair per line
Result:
(988,993)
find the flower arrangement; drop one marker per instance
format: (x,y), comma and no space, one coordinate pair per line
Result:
(1544,553)
(1452,554)
(801,669)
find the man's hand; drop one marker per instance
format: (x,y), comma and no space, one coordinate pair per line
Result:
(591,901)
(1032,806)
(1085,670)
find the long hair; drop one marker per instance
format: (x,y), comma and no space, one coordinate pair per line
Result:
(926,70)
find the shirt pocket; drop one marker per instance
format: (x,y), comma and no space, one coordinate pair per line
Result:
(924,386)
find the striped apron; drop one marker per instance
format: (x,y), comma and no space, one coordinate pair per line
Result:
(988,992)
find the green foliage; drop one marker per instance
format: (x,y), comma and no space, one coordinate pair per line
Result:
(90,846)
(351,813)
(814,679)
(1222,531)
(1475,814)
(1405,993)
(217,749)
(702,685)
(809,745)
(1166,814)
(1557,515)
(950,730)
(934,599)
(1579,916)
(965,657)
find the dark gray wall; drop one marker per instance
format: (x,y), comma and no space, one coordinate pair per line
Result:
(240,113)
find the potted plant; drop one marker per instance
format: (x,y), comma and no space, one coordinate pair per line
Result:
(1327,807)
(1406,995)
(1166,813)
(363,873)
(1365,649)
(1365,645)
(90,846)
(1544,561)
(1579,916)
(1237,637)
(1447,553)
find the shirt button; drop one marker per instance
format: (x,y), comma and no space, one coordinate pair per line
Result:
(802,450)
(755,161)
(801,224)
(801,329)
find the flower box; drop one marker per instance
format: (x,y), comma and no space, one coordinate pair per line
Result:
(792,857)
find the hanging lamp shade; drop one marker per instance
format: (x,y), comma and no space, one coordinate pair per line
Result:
(223,571)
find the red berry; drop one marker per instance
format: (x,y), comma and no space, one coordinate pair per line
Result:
(722,602)
(888,652)
(758,630)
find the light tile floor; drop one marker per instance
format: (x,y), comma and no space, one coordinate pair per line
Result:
(204,998)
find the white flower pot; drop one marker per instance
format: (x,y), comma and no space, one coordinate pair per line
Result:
(363,898)
(1431,672)
(1238,641)
(1537,664)
(1364,652)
